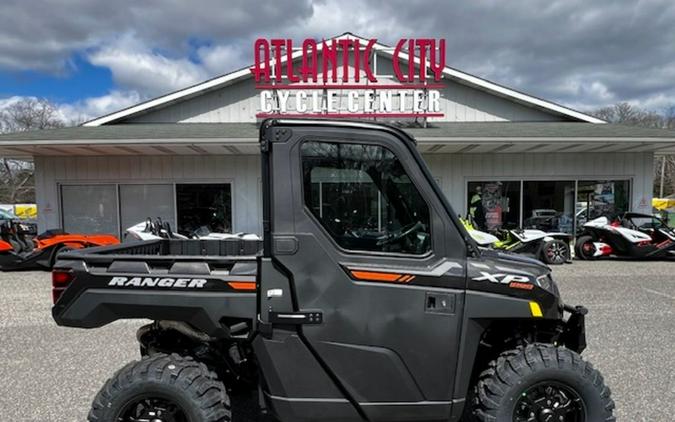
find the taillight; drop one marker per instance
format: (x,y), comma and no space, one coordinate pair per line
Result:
(61,279)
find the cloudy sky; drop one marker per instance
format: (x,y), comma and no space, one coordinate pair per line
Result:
(93,57)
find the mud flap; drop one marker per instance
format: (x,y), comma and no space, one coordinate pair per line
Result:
(574,330)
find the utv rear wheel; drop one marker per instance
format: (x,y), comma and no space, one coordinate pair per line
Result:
(584,247)
(162,388)
(555,252)
(542,383)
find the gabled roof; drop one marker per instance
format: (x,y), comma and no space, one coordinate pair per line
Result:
(241,74)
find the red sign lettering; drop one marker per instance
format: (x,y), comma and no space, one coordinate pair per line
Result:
(414,60)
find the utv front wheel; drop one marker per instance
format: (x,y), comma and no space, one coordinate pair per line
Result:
(166,388)
(542,383)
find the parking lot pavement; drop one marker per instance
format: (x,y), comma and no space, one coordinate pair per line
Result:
(51,373)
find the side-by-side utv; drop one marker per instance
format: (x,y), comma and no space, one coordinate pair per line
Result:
(366,300)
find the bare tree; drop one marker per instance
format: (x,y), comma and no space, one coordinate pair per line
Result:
(664,165)
(30,114)
(669,118)
(626,113)
(16,176)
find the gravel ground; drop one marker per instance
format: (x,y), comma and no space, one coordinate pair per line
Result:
(51,373)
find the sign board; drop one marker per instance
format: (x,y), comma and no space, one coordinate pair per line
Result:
(338,78)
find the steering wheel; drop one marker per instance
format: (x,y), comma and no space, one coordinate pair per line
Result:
(400,233)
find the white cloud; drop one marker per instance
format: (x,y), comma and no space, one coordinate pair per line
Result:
(6,102)
(86,109)
(44,37)
(136,67)
(570,51)
(221,59)
(90,108)
(659,102)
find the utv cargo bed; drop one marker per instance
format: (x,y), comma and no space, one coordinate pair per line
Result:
(188,280)
(179,248)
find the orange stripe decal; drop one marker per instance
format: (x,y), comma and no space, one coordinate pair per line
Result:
(378,276)
(242,285)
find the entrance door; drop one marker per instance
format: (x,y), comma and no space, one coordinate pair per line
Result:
(378,264)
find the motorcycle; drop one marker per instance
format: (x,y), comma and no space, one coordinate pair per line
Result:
(626,237)
(19,251)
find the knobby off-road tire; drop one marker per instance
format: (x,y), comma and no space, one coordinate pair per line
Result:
(501,389)
(181,388)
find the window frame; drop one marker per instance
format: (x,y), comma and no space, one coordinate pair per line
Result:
(548,178)
(62,204)
(59,183)
(372,142)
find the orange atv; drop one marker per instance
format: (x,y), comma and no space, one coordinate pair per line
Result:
(20,252)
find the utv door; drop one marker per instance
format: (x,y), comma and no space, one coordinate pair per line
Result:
(376,272)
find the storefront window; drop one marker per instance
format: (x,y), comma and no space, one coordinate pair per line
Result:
(607,198)
(204,205)
(89,208)
(548,206)
(494,205)
(140,202)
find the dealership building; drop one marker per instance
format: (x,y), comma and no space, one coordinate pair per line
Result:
(191,157)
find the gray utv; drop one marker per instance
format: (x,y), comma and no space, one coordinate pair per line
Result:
(366,300)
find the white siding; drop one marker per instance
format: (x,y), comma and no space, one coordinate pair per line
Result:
(241,171)
(452,172)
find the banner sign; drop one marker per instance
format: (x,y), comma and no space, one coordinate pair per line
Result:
(338,78)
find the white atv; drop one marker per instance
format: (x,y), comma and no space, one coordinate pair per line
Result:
(158,229)
(638,236)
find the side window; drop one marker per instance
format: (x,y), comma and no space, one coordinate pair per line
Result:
(364,199)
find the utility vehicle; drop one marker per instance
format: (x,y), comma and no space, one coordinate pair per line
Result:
(366,301)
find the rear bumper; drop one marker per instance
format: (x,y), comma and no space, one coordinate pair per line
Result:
(574,329)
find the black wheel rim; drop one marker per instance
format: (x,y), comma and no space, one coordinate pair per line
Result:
(557,252)
(588,249)
(152,409)
(549,402)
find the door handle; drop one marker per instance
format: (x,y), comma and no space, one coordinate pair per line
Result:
(439,303)
(296,318)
